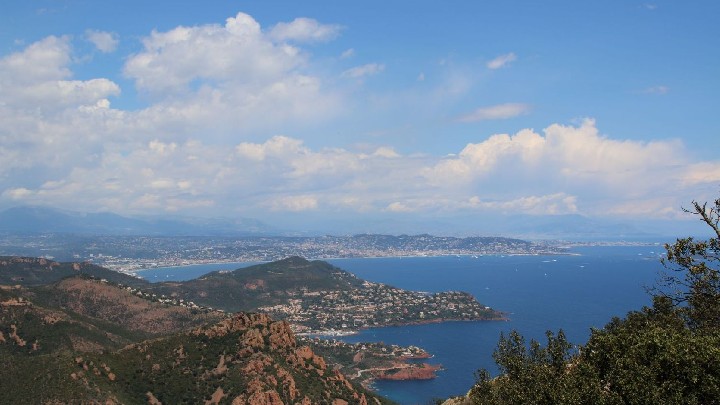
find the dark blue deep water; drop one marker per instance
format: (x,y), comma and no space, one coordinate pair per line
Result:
(574,293)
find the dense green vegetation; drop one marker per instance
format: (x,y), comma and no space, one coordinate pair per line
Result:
(665,354)
(31,271)
(329,297)
(320,296)
(264,284)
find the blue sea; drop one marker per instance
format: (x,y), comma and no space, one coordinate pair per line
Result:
(571,292)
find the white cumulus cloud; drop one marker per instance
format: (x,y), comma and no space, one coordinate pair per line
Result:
(223,132)
(564,169)
(38,77)
(45,60)
(277,147)
(238,52)
(571,152)
(48,121)
(234,78)
(304,30)
(105,42)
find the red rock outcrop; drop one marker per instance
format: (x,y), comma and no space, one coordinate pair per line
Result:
(240,322)
(423,372)
(271,382)
(281,335)
(288,383)
(258,395)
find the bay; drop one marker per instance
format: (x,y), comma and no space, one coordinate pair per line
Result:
(574,293)
(571,292)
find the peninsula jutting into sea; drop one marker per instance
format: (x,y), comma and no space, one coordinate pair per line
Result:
(312,297)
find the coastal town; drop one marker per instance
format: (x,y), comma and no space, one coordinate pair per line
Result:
(341,311)
(337,312)
(130,253)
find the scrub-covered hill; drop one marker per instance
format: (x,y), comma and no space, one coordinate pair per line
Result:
(88,341)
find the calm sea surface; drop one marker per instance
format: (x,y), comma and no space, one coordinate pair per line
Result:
(573,293)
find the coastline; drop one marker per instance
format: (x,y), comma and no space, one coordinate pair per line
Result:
(133,269)
(128,265)
(351,332)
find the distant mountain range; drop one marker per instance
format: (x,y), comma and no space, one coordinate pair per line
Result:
(31,219)
(36,219)
(567,226)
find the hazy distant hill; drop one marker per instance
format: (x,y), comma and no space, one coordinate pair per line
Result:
(29,219)
(34,220)
(570,227)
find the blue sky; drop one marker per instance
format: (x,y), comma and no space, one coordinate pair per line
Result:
(419,112)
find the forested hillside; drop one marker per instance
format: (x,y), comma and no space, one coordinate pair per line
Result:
(84,340)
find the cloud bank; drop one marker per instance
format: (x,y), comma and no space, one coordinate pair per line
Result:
(105,42)
(211,89)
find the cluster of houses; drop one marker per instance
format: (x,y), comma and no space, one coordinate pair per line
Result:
(372,305)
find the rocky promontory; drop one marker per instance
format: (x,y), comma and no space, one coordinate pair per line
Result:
(405,372)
